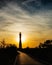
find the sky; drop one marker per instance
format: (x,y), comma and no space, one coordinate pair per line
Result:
(33,18)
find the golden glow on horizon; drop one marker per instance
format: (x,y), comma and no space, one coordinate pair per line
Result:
(23,39)
(28,40)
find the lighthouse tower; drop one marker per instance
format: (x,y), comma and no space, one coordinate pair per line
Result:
(20,41)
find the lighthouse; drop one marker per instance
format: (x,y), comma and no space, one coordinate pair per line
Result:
(20,41)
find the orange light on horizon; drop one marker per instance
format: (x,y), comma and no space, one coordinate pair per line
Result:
(23,39)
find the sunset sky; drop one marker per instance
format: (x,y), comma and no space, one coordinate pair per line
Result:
(33,18)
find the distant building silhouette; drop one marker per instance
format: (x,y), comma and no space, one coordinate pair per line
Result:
(20,41)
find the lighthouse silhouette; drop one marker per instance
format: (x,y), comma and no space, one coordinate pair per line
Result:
(20,41)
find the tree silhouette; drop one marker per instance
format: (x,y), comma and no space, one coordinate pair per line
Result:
(40,46)
(46,44)
(2,44)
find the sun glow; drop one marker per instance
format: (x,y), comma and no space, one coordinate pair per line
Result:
(22,39)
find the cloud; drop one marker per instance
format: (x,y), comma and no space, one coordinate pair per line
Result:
(29,5)
(13,18)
